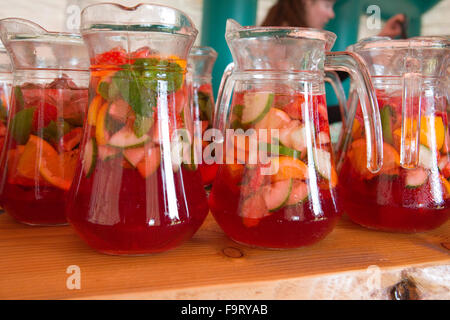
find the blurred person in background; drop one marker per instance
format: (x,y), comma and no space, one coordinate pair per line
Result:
(316,14)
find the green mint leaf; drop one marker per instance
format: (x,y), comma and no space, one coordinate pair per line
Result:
(19,97)
(142,125)
(54,131)
(21,125)
(205,106)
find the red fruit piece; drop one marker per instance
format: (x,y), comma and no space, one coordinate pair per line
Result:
(71,139)
(43,115)
(253,180)
(113,57)
(320,115)
(291,104)
(140,53)
(206,87)
(177,100)
(253,209)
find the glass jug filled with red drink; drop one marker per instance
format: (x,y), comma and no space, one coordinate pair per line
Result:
(200,64)
(277,186)
(411,192)
(6,79)
(48,104)
(138,189)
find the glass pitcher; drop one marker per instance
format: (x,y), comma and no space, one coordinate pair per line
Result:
(200,64)
(411,192)
(277,185)
(137,190)
(48,104)
(6,79)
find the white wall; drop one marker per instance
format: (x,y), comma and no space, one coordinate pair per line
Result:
(51,14)
(437,20)
(47,13)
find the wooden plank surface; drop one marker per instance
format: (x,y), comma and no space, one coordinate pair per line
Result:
(351,263)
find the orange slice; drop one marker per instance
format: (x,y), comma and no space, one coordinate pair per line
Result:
(358,159)
(94,106)
(446,186)
(332,183)
(60,169)
(35,148)
(100,130)
(432,132)
(289,168)
(40,159)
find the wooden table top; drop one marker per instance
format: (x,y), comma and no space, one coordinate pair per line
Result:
(34,263)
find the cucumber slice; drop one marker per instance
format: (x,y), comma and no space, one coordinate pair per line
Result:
(89,157)
(257,105)
(426,158)
(280,150)
(134,155)
(126,138)
(323,138)
(285,133)
(323,163)
(277,194)
(416,178)
(298,138)
(106,153)
(299,193)
(238,109)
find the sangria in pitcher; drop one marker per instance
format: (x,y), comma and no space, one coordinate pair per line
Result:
(48,104)
(137,190)
(277,187)
(411,192)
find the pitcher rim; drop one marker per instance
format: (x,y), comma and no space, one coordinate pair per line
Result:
(62,34)
(203,51)
(422,42)
(294,32)
(191,29)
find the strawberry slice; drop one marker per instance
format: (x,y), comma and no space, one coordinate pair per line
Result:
(116,56)
(291,104)
(71,139)
(43,115)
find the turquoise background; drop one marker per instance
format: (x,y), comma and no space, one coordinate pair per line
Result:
(345,25)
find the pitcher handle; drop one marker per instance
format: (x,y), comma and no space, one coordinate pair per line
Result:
(354,65)
(345,136)
(411,96)
(221,112)
(333,79)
